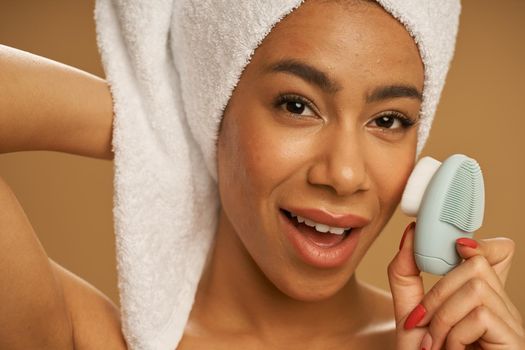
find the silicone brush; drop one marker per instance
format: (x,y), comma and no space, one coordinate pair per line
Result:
(448,199)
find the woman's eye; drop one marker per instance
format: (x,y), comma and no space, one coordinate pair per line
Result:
(295,106)
(393,122)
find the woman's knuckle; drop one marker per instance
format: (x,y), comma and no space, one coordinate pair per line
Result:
(440,325)
(502,247)
(441,320)
(436,294)
(511,246)
(478,264)
(390,268)
(453,339)
(477,286)
(481,314)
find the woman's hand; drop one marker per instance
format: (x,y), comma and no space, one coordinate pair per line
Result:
(467,306)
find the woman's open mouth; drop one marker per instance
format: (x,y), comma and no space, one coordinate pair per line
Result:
(317,244)
(322,235)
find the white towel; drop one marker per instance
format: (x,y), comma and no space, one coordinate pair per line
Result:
(172,66)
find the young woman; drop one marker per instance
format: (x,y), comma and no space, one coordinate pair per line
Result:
(324,116)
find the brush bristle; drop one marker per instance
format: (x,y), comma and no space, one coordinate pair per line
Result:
(465,198)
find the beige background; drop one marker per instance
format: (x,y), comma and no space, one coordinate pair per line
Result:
(69,199)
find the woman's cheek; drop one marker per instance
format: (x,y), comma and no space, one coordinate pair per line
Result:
(269,157)
(391,174)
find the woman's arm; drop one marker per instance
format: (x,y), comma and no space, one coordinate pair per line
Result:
(46,105)
(42,305)
(95,318)
(33,312)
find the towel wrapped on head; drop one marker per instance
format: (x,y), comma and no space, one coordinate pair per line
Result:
(172,67)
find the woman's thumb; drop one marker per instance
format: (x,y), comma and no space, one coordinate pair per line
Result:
(404,277)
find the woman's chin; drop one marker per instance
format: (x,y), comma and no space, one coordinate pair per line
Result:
(313,295)
(312,291)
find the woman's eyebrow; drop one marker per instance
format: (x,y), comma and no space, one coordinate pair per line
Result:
(306,72)
(393,91)
(317,77)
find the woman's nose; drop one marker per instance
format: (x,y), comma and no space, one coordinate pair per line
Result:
(340,165)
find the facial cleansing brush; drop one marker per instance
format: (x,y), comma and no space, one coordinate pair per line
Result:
(448,199)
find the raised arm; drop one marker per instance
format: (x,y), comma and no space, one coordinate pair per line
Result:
(33,310)
(42,305)
(46,105)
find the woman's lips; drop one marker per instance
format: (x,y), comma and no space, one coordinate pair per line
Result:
(320,250)
(324,216)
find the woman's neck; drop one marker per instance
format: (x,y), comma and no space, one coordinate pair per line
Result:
(235,296)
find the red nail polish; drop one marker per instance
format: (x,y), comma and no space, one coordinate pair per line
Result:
(415,316)
(409,227)
(467,242)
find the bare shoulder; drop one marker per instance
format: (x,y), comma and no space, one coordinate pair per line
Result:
(381,332)
(95,318)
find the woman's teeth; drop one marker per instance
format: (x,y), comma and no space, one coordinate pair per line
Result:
(320,227)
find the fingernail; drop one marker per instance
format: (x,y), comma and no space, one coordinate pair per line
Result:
(467,242)
(426,343)
(415,316)
(409,227)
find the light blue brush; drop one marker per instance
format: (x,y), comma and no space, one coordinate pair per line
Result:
(448,199)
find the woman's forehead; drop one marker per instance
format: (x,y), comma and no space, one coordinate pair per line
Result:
(363,40)
(317,25)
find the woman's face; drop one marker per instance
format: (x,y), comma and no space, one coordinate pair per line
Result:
(321,118)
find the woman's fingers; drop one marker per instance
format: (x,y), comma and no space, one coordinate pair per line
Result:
(473,294)
(482,325)
(407,290)
(468,294)
(498,252)
(404,277)
(476,267)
